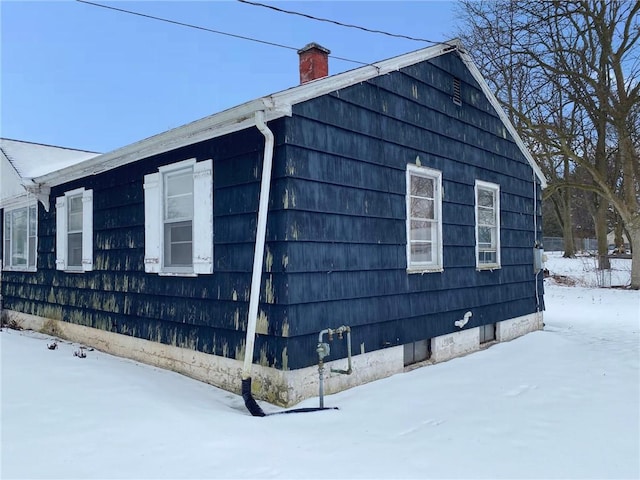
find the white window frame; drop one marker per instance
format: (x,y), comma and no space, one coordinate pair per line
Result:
(62,231)
(436,265)
(495,189)
(202,219)
(8,240)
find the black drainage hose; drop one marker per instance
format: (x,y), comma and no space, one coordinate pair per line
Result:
(256,411)
(304,410)
(249,401)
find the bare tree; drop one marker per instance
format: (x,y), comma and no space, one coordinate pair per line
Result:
(575,93)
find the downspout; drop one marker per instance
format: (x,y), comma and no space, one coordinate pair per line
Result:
(256,278)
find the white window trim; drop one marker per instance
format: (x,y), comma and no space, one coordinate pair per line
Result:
(479,184)
(437,265)
(202,219)
(62,254)
(27,268)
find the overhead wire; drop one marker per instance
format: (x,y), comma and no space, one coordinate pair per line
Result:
(336,22)
(206,29)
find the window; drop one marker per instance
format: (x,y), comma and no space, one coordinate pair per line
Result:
(487,333)
(424,222)
(487,225)
(417,351)
(20,235)
(74,231)
(178,211)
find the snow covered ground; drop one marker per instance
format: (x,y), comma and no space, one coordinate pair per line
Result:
(559,403)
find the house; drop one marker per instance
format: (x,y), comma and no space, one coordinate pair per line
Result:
(395,199)
(20,162)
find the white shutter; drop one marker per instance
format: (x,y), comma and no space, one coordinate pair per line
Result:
(203,217)
(87,230)
(61,233)
(152,223)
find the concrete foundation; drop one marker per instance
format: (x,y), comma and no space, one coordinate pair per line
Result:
(281,387)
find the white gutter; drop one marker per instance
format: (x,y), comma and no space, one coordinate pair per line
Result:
(261,233)
(228,121)
(240,117)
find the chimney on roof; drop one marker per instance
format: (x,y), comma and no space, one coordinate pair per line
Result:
(314,62)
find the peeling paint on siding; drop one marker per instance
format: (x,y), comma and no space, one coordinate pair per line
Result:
(295,231)
(269,293)
(263,357)
(240,351)
(262,324)
(268,260)
(285,359)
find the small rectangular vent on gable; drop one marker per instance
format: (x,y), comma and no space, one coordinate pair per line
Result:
(457,98)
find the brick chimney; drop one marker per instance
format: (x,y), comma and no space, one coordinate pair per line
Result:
(314,62)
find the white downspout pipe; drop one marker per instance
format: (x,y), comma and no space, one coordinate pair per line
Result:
(261,232)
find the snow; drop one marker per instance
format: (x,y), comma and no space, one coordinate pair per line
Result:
(33,160)
(559,403)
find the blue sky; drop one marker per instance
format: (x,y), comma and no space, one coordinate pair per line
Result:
(85,77)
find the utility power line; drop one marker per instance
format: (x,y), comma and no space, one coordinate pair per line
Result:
(335,22)
(210,30)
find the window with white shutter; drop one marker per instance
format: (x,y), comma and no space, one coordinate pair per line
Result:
(74,231)
(178,206)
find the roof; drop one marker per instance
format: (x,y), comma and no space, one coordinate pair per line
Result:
(275,106)
(21,161)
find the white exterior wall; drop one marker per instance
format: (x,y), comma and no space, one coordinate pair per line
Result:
(280,387)
(455,344)
(516,327)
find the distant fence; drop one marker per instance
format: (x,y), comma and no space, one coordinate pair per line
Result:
(556,244)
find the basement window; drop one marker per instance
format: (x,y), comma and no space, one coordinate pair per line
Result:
(415,352)
(457,96)
(487,333)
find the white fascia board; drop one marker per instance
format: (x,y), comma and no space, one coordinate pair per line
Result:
(15,201)
(468,61)
(275,106)
(238,118)
(322,86)
(231,120)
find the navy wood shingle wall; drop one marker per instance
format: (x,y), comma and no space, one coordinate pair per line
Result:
(336,238)
(347,155)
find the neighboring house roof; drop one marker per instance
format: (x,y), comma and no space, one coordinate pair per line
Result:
(20,162)
(275,106)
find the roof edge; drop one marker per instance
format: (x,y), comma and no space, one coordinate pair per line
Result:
(237,118)
(275,106)
(470,64)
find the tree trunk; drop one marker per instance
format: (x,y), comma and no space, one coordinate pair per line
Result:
(634,233)
(601,234)
(567,226)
